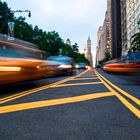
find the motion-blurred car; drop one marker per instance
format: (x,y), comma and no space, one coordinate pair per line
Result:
(80,66)
(15,67)
(128,63)
(19,69)
(66,64)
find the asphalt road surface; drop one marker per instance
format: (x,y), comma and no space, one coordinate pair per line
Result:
(91,105)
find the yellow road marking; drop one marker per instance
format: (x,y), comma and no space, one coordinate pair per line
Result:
(132,108)
(39,104)
(77,84)
(25,93)
(137,101)
(86,78)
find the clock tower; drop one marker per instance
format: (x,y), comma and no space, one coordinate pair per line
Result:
(88,52)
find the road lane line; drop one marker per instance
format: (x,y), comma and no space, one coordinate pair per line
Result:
(134,99)
(86,78)
(54,102)
(132,108)
(25,93)
(76,84)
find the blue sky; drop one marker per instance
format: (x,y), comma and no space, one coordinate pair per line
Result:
(73,19)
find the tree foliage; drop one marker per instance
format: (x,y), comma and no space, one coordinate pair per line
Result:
(50,42)
(6,16)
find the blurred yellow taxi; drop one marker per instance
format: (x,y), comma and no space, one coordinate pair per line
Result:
(19,69)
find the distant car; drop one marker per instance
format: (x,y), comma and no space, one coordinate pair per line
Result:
(128,63)
(66,64)
(80,66)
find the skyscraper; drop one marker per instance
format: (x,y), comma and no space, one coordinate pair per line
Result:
(99,55)
(116,46)
(88,52)
(124,25)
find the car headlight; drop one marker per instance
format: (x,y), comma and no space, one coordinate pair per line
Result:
(65,66)
(77,66)
(5,68)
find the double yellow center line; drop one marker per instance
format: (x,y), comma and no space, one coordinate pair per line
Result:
(133,109)
(32,105)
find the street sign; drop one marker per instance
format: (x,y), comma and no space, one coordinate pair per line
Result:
(11,30)
(60,51)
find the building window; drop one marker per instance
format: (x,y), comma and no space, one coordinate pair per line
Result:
(139,16)
(138,26)
(139,7)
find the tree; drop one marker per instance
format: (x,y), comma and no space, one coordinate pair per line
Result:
(107,56)
(135,42)
(67,50)
(54,43)
(6,16)
(81,58)
(23,30)
(75,48)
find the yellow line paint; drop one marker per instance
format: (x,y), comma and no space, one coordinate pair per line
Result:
(25,93)
(137,101)
(86,78)
(132,108)
(77,84)
(54,102)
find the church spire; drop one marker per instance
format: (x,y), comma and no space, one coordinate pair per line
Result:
(89,38)
(88,51)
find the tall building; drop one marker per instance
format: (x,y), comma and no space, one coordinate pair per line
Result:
(99,55)
(106,36)
(116,47)
(123,4)
(88,54)
(133,18)
(130,17)
(109,24)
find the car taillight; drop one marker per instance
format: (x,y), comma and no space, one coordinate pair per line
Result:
(132,66)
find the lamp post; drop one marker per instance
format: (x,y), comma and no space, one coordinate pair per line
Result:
(21,11)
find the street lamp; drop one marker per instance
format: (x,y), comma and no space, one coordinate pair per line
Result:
(21,11)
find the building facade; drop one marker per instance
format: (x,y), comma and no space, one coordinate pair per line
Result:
(133,18)
(130,17)
(109,25)
(121,22)
(123,4)
(104,36)
(99,55)
(116,46)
